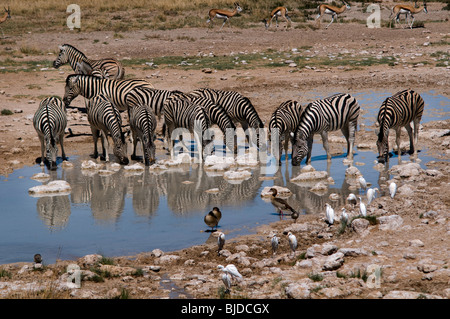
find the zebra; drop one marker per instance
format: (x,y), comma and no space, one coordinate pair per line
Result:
(104,118)
(399,111)
(339,111)
(143,125)
(239,108)
(180,112)
(108,68)
(89,86)
(50,122)
(216,115)
(283,121)
(152,97)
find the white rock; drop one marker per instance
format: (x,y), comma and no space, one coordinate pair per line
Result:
(89,164)
(58,187)
(237,174)
(134,167)
(310,176)
(40,176)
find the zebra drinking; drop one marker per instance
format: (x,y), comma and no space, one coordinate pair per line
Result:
(104,118)
(108,68)
(239,108)
(339,111)
(396,112)
(284,120)
(143,125)
(50,122)
(180,112)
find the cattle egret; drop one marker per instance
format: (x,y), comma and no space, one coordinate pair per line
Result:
(280,204)
(227,282)
(220,242)
(392,189)
(230,270)
(344,216)
(371,194)
(351,199)
(292,242)
(362,182)
(274,242)
(329,214)
(362,207)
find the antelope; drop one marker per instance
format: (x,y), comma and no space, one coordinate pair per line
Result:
(408,10)
(6,16)
(332,10)
(278,12)
(223,14)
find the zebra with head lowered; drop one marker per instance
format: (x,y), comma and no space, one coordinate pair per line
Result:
(143,125)
(284,120)
(90,86)
(396,112)
(239,108)
(105,118)
(180,112)
(50,122)
(108,68)
(337,112)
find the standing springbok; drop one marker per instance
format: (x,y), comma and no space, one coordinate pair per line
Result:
(408,11)
(278,12)
(332,10)
(223,14)
(6,16)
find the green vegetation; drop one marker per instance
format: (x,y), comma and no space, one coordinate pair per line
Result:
(6,112)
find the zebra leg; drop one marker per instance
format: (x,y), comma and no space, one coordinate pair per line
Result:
(324,135)
(63,153)
(95,138)
(41,138)
(134,157)
(309,141)
(104,140)
(411,139)
(416,134)
(398,132)
(286,147)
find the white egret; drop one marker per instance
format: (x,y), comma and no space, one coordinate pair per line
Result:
(220,242)
(392,189)
(351,199)
(292,242)
(371,194)
(362,182)
(362,207)
(274,242)
(226,281)
(329,214)
(344,216)
(231,270)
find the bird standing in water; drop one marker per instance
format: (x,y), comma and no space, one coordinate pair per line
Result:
(212,218)
(281,205)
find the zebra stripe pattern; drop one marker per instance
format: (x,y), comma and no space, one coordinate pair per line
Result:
(284,120)
(154,98)
(108,68)
(90,86)
(238,107)
(396,112)
(50,122)
(143,125)
(339,111)
(105,118)
(180,112)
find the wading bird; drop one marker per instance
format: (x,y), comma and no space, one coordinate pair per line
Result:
(212,218)
(274,242)
(281,205)
(351,199)
(392,189)
(231,270)
(226,281)
(292,242)
(362,208)
(371,194)
(344,216)
(220,242)
(362,182)
(329,214)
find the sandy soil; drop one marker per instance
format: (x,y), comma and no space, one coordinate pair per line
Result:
(267,88)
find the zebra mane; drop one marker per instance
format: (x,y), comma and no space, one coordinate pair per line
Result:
(302,116)
(75,49)
(260,123)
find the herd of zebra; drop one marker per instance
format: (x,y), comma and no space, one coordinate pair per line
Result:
(107,94)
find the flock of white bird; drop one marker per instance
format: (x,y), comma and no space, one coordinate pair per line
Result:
(230,273)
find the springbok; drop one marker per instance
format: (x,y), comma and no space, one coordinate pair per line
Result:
(278,12)
(332,10)
(223,14)
(408,11)
(6,16)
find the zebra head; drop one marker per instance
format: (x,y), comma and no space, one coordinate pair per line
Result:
(63,57)
(299,148)
(382,143)
(149,148)
(72,89)
(120,150)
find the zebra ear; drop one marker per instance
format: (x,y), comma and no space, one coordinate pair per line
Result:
(60,47)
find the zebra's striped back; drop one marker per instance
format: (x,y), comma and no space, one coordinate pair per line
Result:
(108,68)
(152,97)
(398,111)
(337,112)
(143,125)
(50,121)
(104,116)
(90,86)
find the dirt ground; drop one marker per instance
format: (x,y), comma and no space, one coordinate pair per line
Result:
(267,88)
